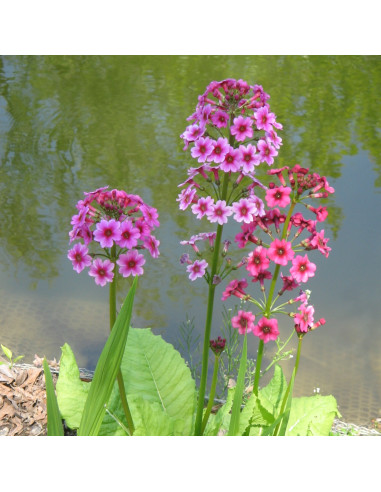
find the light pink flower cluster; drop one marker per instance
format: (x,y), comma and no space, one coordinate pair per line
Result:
(108,218)
(232,132)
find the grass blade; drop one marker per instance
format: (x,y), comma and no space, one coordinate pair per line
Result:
(55,427)
(237,402)
(107,369)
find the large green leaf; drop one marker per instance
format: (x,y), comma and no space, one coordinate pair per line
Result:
(107,369)
(149,418)
(55,427)
(155,371)
(271,396)
(71,391)
(312,415)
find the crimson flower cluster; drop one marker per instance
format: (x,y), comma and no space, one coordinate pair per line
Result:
(119,223)
(282,251)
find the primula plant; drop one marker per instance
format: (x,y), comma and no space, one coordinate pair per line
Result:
(112,227)
(231,133)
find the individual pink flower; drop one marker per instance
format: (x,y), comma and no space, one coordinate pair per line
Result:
(231,162)
(203,206)
(220,148)
(244,321)
(192,133)
(266,329)
(152,244)
(259,206)
(302,269)
(264,119)
(242,128)
(220,212)
(129,235)
(131,263)
(235,288)
(248,157)
(79,257)
(305,318)
(150,214)
(280,251)
(266,151)
(278,196)
(257,261)
(321,212)
(289,283)
(202,149)
(261,277)
(220,119)
(102,271)
(244,210)
(274,139)
(106,232)
(197,269)
(185,197)
(318,241)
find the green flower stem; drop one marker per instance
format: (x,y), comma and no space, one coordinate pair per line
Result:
(258,366)
(212,393)
(267,311)
(122,390)
(284,402)
(209,317)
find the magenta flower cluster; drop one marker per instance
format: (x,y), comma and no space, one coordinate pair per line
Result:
(118,223)
(233,131)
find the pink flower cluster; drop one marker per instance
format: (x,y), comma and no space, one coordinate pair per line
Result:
(108,218)
(232,132)
(281,251)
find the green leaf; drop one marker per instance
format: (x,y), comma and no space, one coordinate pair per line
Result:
(18,358)
(149,418)
(155,371)
(312,415)
(55,427)
(71,391)
(7,352)
(286,407)
(107,368)
(221,421)
(271,396)
(237,402)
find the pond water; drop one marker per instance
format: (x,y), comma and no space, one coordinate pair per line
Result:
(70,124)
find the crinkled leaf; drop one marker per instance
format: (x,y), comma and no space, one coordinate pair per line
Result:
(155,371)
(271,396)
(71,391)
(312,415)
(149,418)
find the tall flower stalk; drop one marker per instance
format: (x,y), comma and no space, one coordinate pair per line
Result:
(232,132)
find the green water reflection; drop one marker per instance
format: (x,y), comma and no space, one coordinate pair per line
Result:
(68,123)
(74,123)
